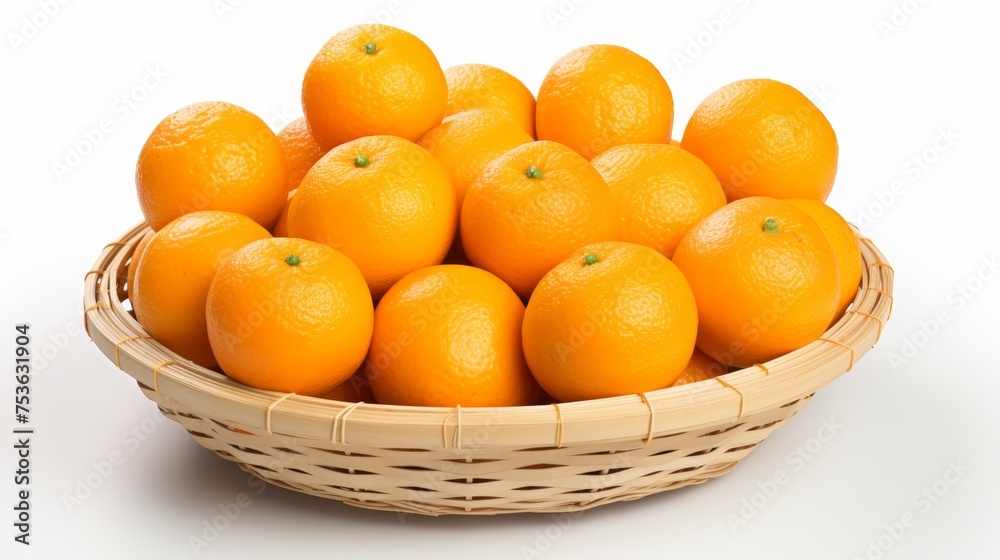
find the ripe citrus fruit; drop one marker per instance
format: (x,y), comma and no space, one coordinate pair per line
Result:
(381,200)
(764,138)
(466,142)
(370,80)
(700,368)
(301,150)
(765,279)
(845,247)
(356,388)
(612,319)
(289,315)
(450,335)
(533,207)
(280,228)
(662,191)
(479,86)
(175,271)
(601,96)
(133,264)
(211,156)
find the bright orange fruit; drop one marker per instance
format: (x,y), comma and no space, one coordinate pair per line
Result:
(301,150)
(764,138)
(289,315)
(765,279)
(662,191)
(479,86)
(845,247)
(531,208)
(356,388)
(211,156)
(381,200)
(450,335)
(280,228)
(601,96)
(700,368)
(371,80)
(175,271)
(464,143)
(133,264)
(614,318)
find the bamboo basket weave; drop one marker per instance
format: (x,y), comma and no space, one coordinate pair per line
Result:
(482,461)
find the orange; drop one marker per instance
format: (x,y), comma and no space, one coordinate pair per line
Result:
(662,191)
(765,279)
(601,96)
(531,208)
(764,138)
(301,149)
(479,86)
(845,247)
(450,335)
(612,319)
(381,200)
(175,271)
(700,368)
(133,264)
(356,388)
(280,228)
(466,142)
(289,315)
(211,156)
(371,80)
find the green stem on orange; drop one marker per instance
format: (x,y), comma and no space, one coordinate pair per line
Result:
(360,161)
(771,226)
(590,259)
(292,260)
(370,48)
(533,172)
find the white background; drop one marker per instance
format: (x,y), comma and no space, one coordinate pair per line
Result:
(890,93)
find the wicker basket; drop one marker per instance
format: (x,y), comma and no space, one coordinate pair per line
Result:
(432,461)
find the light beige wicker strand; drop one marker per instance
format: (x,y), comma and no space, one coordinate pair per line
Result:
(433,461)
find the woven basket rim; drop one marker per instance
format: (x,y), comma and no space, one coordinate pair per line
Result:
(631,418)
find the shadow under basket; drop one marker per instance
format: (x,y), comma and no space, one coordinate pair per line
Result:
(482,461)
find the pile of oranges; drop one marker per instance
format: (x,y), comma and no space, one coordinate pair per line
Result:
(443,237)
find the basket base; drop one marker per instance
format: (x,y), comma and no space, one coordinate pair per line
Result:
(483,481)
(418,508)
